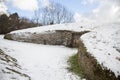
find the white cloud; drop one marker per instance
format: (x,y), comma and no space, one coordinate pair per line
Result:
(85,2)
(106,11)
(80,18)
(28,5)
(46,3)
(3,8)
(92,1)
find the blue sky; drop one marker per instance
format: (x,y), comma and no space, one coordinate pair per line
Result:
(103,10)
(76,6)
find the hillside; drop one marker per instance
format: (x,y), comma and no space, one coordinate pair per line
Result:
(102,42)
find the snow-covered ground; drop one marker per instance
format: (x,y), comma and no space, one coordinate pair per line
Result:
(10,69)
(42,62)
(104,44)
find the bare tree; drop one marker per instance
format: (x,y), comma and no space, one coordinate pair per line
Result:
(36,17)
(54,14)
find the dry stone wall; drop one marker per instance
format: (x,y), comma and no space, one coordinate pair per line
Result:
(58,37)
(51,38)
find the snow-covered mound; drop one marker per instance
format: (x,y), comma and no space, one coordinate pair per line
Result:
(104,44)
(69,26)
(59,34)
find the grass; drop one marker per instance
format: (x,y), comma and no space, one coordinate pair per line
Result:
(74,66)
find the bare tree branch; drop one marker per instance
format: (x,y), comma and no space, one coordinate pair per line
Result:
(55,14)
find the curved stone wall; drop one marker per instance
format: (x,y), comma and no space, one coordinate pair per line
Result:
(58,37)
(92,69)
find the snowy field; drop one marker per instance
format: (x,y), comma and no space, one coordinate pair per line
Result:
(49,62)
(103,42)
(42,62)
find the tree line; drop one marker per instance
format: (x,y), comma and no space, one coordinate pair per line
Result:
(14,22)
(54,14)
